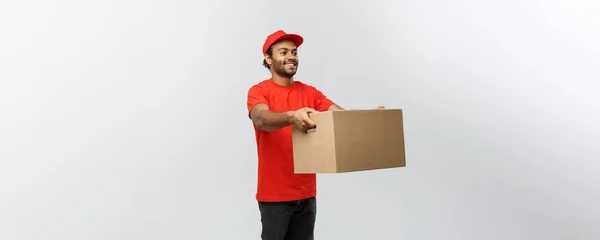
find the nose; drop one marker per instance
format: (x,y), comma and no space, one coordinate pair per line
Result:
(292,58)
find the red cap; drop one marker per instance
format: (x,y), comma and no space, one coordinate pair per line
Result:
(281,35)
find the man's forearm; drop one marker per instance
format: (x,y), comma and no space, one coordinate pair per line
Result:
(335,107)
(271,121)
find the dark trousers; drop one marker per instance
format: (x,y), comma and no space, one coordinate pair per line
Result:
(293,220)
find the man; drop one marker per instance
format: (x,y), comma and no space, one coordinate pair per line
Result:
(287,201)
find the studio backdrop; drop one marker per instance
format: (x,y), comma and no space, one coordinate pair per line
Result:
(124,120)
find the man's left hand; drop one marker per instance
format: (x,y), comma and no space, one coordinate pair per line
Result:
(380,107)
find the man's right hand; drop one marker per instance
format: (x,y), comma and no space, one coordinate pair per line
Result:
(302,121)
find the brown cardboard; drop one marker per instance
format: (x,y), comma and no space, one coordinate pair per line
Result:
(351,140)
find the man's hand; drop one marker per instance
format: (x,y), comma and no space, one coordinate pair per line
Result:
(380,107)
(302,121)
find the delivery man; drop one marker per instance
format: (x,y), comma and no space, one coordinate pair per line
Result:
(286,201)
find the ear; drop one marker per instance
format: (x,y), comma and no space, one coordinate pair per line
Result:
(269,59)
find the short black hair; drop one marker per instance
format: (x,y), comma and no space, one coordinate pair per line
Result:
(270,53)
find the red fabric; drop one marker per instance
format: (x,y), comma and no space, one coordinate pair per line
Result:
(276,178)
(281,35)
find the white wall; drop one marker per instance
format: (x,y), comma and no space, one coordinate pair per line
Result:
(127,119)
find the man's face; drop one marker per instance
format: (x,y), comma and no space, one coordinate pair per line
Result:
(285,58)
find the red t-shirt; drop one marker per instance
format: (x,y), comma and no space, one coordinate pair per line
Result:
(276,178)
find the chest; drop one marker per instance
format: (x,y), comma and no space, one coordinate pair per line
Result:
(290,99)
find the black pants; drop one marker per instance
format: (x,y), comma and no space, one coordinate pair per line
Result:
(294,220)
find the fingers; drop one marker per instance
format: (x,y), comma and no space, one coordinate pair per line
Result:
(305,126)
(310,110)
(307,122)
(303,121)
(306,118)
(310,123)
(380,107)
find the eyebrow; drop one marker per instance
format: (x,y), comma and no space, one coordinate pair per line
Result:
(284,48)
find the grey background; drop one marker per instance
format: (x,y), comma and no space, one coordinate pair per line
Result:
(127,119)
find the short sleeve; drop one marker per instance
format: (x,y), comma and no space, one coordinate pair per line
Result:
(322,103)
(256,95)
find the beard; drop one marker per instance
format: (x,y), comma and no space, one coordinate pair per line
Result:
(285,70)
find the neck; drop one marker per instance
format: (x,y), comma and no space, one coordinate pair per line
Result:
(281,80)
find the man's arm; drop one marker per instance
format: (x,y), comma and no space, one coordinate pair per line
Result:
(259,112)
(322,102)
(267,120)
(335,107)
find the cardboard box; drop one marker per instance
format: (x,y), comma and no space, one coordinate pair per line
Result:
(351,140)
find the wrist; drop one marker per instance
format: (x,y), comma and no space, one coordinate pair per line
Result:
(289,117)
